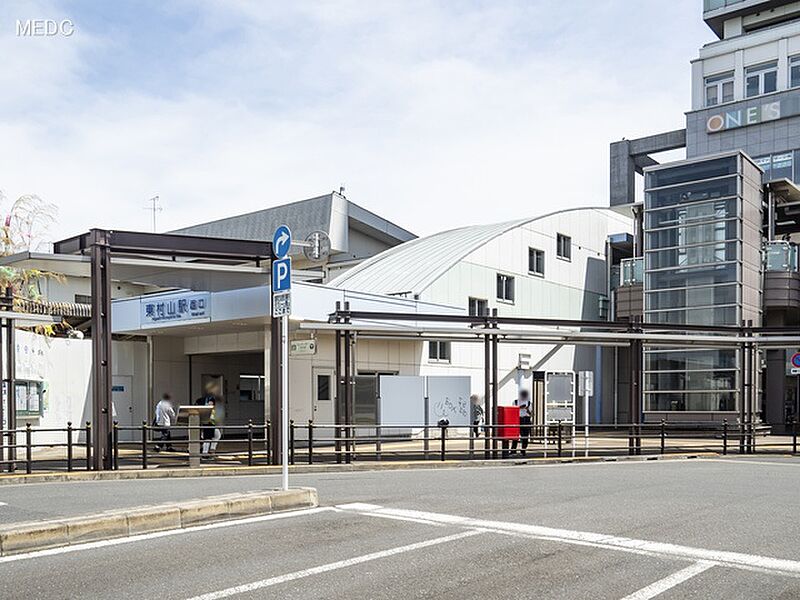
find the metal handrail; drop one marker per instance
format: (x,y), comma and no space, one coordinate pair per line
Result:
(312,442)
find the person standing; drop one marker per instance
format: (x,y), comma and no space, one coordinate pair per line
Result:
(165,417)
(211,434)
(523,402)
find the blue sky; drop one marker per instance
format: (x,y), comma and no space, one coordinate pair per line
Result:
(433,114)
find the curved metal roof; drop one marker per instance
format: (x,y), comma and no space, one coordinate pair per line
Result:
(413,266)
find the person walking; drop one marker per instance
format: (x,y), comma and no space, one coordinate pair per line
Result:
(476,411)
(165,417)
(523,402)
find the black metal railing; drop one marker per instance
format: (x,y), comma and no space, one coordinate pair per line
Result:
(312,443)
(238,444)
(142,447)
(18,449)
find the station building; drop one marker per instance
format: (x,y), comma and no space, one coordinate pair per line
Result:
(179,324)
(712,241)
(717,233)
(552,266)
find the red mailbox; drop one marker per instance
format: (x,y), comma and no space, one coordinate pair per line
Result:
(508,421)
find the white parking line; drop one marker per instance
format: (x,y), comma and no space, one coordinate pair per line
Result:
(341,564)
(745,461)
(736,560)
(669,582)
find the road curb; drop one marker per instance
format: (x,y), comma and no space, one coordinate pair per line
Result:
(17,538)
(159,473)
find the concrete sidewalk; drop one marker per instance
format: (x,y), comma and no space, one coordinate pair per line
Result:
(165,472)
(35,498)
(30,536)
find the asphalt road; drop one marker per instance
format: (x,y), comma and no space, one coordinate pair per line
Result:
(665,529)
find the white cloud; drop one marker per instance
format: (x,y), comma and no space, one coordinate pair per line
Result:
(434,115)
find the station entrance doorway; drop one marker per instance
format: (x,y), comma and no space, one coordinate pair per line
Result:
(240,378)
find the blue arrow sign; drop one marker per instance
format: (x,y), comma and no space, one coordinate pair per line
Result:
(281,275)
(281,241)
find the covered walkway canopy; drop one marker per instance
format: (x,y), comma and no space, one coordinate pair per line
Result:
(160,260)
(491,330)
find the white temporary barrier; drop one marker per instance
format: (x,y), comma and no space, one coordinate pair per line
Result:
(417,400)
(402,400)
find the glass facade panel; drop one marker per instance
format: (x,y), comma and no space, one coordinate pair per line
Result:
(690,360)
(691,380)
(782,165)
(687,213)
(692,238)
(776,166)
(632,271)
(693,296)
(695,192)
(778,256)
(692,172)
(693,255)
(683,401)
(716,315)
(717,231)
(681,278)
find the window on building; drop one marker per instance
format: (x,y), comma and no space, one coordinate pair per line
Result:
(439,351)
(782,165)
(761,79)
(794,71)
(776,166)
(765,162)
(83,299)
(719,88)
(563,246)
(505,287)
(536,261)
(478,307)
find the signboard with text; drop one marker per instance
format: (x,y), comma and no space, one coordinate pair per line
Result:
(191,306)
(281,273)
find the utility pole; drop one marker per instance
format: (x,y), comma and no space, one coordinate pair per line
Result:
(155,207)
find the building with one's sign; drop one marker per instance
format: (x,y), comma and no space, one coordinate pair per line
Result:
(717,233)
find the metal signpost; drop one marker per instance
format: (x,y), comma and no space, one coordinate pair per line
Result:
(794,369)
(586,390)
(282,307)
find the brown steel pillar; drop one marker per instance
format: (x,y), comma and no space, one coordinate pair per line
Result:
(487,394)
(348,395)
(338,394)
(11,362)
(102,410)
(3,411)
(635,396)
(275,382)
(494,391)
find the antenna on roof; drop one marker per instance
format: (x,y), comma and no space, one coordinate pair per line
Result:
(155,208)
(341,191)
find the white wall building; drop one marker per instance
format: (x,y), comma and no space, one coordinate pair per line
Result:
(551,266)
